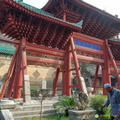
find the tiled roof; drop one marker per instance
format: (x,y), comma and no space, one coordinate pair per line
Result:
(42,12)
(2,36)
(6,49)
(35,9)
(115,39)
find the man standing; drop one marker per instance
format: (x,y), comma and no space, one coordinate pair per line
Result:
(114,100)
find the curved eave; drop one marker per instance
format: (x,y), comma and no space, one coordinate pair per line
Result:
(114,41)
(43,16)
(48,5)
(79,2)
(96,9)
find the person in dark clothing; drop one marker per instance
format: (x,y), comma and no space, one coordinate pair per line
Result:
(114,100)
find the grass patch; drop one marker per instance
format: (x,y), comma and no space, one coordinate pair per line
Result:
(50,117)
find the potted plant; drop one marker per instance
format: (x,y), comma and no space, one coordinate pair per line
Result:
(64,104)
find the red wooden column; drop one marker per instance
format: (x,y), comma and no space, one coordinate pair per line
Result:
(8,74)
(66,81)
(18,83)
(95,78)
(11,83)
(76,63)
(106,67)
(26,80)
(64,77)
(104,79)
(80,79)
(64,11)
(68,72)
(64,15)
(55,83)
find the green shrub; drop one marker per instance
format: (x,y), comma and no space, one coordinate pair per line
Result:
(64,103)
(96,102)
(34,92)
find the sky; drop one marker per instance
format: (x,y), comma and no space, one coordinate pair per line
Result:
(110,6)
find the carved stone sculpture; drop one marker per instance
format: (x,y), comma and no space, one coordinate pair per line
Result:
(81,100)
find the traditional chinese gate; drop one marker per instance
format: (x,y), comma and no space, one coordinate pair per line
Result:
(98,52)
(42,39)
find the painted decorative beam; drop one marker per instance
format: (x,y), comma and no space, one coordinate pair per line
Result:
(91,59)
(35,59)
(45,48)
(112,69)
(89,50)
(89,39)
(43,51)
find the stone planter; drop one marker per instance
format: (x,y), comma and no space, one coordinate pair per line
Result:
(88,114)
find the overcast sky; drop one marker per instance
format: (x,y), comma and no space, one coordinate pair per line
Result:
(110,6)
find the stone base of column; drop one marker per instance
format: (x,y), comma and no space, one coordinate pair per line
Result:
(26,95)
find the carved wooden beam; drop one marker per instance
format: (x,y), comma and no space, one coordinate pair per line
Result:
(92,23)
(97,30)
(60,37)
(30,26)
(86,20)
(37,32)
(66,37)
(53,36)
(89,50)
(45,33)
(59,14)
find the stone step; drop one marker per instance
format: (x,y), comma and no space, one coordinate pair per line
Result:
(32,116)
(18,100)
(32,112)
(32,107)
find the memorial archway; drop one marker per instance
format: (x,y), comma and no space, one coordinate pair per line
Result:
(43,39)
